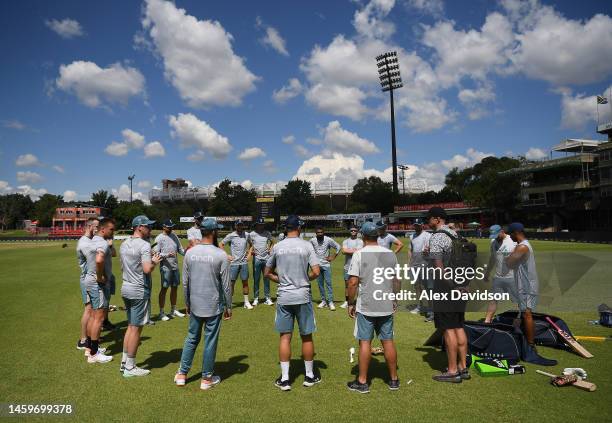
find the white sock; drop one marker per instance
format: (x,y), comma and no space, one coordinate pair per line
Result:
(173,309)
(124,357)
(308,367)
(130,362)
(285,370)
(161,311)
(246,298)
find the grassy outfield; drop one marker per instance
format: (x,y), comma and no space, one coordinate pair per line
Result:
(39,323)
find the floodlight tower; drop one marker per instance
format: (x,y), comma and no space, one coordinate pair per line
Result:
(403,168)
(131,179)
(390,80)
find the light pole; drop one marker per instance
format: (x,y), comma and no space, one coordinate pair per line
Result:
(390,79)
(403,168)
(131,178)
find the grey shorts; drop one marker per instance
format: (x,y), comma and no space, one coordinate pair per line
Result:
(97,295)
(169,277)
(505,285)
(366,326)
(137,311)
(239,269)
(527,301)
(84,295)
(287,314)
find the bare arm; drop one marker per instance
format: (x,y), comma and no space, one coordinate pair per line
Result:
(314,272)
(398,245)
(517,255)
(270,274)
(100,276)
(353,283)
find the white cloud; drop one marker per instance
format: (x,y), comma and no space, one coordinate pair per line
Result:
(336,138)
(580,110)
(369,21)
(66,28)
(58,169)
(535,154)
(460,161)
(132,138)
(301,151)
(34,193)
(475,100)
(430,7)
(272,38)
(251,153)
(95,86)
(287,92)
(154,149)
(25,160)
(196,156)
(14,124)
(198,57)
(144,184)
(289,139)
(5,188)
(29,177)
(123,194)
(70,195)
(193,132)
(116,149)
(246,184)
(269,166)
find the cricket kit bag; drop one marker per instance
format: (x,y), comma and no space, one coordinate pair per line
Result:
(605,315)
(545,334)
(493,340)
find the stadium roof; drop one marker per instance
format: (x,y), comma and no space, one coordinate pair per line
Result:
(575,160)
(576,145)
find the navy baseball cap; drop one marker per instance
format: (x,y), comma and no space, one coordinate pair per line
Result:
(436,212)
(198,215)
(210,224)
(260,221)
(238,222)
(494,231)
(142,220)
(515,227)
(168,223)
(293,222)
(380,224)
(369,229)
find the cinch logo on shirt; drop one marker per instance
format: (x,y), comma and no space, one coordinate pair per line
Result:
(203,259)
(295,250)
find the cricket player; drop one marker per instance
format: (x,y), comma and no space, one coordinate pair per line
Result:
(373,311)
(239,256)
(194,235)
(503,281)
(96,281)
(168,246)
(137,262)
(323,245)
(387,240)
(288,266)
(208,297)
(109,286)
(83,245)
(349,247)
(449,314)
(419,242)
(261,243)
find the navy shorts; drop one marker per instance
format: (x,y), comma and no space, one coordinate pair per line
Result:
(287,314)
(366,326)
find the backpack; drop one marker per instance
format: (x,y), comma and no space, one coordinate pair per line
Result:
(463,253)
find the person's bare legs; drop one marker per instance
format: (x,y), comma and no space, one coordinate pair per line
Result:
(365,355)
(245,287)
(529,326)
(390,357)
(491,308)
(131,341)
(162,298)
(307,347)
(284,347)
(173,291)
(450,343)
(462,347)
(85,321)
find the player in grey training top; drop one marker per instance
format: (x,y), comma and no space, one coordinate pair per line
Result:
(240,255)
(322,245)
(168,246)
(137,263)
(109,286)
(261,243)
(288,266)
(83,246)
(208,295)
(194,235)
(349,247)
(503,281)
(388,240)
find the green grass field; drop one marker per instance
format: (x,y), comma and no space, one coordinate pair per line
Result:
(40,315)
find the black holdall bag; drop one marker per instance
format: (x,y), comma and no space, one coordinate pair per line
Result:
(605,315)
(545,334)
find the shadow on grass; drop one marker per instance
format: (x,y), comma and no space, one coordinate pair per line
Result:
(161,359)
(296,368)
(225,369)
(378,369)
(434,357)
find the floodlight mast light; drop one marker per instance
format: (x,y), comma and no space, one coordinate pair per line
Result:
(390,80)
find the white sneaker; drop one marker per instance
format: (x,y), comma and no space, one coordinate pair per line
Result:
(344,305)
(164,317)
(248,305)
(207,385)
(180,381)
(255,302)
(322,304)
(332,307)
(415,310)
(99,358)
(88,351)
(135,371)
(269,301)
(178,313)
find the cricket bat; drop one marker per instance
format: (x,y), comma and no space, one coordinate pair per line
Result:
(569,340)
(593,338)
(580,384)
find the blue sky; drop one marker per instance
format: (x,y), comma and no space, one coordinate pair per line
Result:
(267,91)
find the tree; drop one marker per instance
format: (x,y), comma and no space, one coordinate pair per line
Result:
(102,199)
(232,200)
(13,209)
(375,194)
(295,198)
(126,211)
(44,208)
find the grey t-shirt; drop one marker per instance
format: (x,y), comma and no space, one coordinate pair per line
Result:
(168,244)
(102,245)
(136,284)
(82,245)
(90,251)
(206,280)
(322,248)
(260,242)
(387,240)
(238,246)
(194,233)
(291,258)
(351,244)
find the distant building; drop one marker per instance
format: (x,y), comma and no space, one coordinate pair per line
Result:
(461,214)
(170,184)
(70,221)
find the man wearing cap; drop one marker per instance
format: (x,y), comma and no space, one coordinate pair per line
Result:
(349,247)
(167,245)
(83,246)
(194,235)
(239,256)
(208,297)
(261,243)
(137,262)
(386,239)
(323,245)
(373,310)
(419,243)
(503,281)
(288,265)
(449,315)
(106,244)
